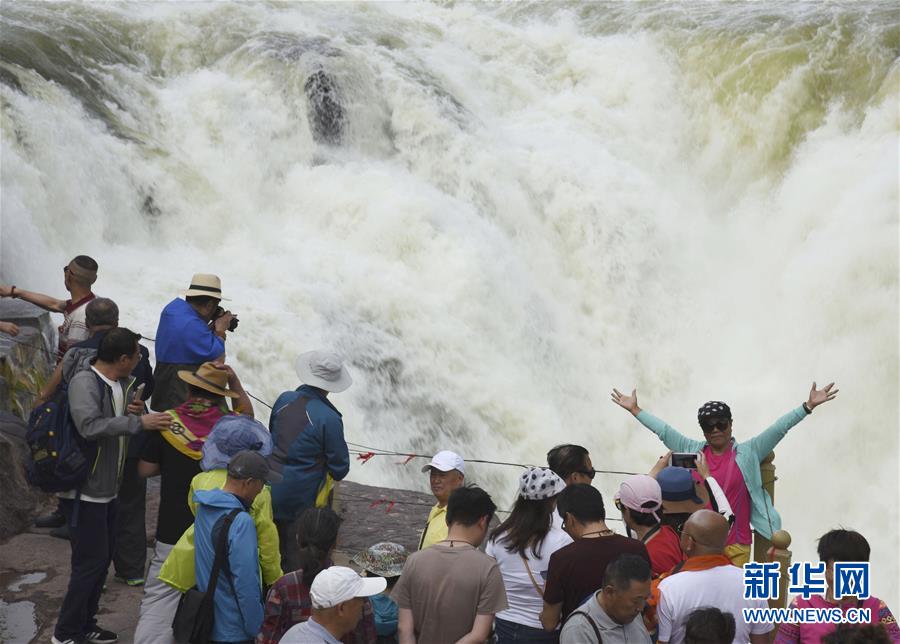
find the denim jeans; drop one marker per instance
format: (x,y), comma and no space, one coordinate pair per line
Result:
(510,632)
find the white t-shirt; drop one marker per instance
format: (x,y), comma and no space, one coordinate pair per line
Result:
(721,587)
(525,604)
(118,401)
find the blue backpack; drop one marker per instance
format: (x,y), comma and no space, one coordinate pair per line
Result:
(61,459)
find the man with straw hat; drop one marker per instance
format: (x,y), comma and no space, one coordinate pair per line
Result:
(175,455)
(191,331)
(309,447)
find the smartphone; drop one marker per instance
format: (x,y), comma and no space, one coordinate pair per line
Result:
(138,393)
(684,459)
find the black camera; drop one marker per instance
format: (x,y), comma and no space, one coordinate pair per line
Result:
(220,312)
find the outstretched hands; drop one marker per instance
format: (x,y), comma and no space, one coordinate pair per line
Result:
(626,402)
(819,396)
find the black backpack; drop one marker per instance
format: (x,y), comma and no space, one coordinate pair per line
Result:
(195,615)
(61,459)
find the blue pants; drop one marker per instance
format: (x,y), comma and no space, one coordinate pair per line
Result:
(512,632)
(93,540)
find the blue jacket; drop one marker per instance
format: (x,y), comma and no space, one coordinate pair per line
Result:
(307,444)
(763,517)
(236,618)
(184,337)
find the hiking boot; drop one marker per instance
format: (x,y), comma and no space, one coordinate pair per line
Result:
(100,636)
(68,640)
(61,532)
(52,520)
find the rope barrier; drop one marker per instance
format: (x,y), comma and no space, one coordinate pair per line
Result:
(377,451)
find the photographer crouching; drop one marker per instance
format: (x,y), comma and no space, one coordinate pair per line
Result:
(191,331)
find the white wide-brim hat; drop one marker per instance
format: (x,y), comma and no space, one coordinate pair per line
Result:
(205,284)
(324,370)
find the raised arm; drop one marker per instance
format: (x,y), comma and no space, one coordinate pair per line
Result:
(767,440)
(38,299)
(671,437)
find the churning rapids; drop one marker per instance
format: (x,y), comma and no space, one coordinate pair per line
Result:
(497,213)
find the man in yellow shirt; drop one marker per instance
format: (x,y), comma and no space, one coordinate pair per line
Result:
(447,471)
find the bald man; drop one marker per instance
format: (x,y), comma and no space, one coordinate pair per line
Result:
(707,578)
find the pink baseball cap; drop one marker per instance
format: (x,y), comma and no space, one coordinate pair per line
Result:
(640,493)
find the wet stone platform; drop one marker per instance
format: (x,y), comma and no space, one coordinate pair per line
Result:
(34,567)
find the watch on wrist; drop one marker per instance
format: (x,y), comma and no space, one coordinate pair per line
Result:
(807,409)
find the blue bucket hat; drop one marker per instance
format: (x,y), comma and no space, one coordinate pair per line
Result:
(233,434)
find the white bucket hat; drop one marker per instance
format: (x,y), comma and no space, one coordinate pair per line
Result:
(324,370)
(205,284)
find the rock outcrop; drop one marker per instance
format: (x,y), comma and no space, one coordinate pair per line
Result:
(26,362)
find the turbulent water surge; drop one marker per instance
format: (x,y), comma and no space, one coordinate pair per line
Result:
(497,213)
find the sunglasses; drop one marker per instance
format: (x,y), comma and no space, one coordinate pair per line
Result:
(721,426)
(619,505)
(588,473)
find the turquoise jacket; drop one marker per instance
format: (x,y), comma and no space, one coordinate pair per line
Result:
(763,516)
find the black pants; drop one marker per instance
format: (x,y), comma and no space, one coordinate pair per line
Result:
(93,539)
(287,544)
(130,558)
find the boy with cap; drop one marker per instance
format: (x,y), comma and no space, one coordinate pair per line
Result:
(447,471)
(230,436)
(639,499)
(337,595)
(238,612)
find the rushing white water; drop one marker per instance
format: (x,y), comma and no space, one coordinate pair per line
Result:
(527,205)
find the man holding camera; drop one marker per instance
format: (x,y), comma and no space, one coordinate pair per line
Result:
(191,331)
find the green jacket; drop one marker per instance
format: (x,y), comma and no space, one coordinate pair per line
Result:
(763,517)
(178,568)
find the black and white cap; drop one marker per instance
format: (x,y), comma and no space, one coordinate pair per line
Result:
(538,483)
(714,408)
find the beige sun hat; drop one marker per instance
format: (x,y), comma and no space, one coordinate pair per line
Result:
(205,285)
(324,370)
(208,377)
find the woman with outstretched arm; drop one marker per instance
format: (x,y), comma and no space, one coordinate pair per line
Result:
(735,466)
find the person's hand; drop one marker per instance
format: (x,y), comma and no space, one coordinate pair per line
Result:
(136,407)
(661,464)
(702,466)
(627,402)
(156,421)
(819,396)
(5,290)
(221,324)
(10,328)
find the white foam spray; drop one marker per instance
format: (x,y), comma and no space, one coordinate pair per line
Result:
(530,205)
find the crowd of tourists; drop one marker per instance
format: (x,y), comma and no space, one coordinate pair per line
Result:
(245,534)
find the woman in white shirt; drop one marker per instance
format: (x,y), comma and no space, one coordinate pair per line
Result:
(522,546)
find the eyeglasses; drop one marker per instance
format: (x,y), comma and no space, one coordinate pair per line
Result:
(588,473)
(721,426)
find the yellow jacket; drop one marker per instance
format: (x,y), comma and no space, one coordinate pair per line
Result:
(178,568)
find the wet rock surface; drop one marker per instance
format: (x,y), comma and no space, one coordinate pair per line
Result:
(34,567)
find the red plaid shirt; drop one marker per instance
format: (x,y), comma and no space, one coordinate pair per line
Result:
(289,603)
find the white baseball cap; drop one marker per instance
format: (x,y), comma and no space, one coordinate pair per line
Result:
(338,584)
(446,461)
